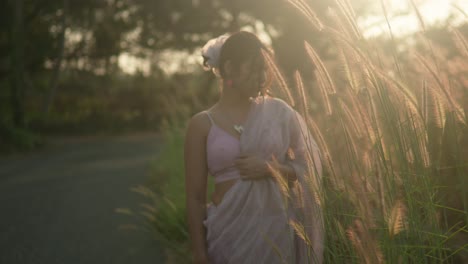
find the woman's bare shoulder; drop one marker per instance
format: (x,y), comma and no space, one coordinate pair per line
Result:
(199,123)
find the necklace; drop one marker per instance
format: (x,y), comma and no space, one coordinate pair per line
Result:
(239,128)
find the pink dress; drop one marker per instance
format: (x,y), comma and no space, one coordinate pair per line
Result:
(252,223)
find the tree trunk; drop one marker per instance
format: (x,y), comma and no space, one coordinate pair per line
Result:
(16,87)
(58,64)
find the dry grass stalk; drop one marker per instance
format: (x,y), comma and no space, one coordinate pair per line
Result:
(305,9)
(350,142)
(326,156)
(460,42)
(349,16)
(437,78)
(300,231)
(350,69)
(324,93)
(435,107)
(364,117)
(418,14)
(321,69)
(423,149)
(396,221)
(368,251)
(280,179)
(279,77)
(302,94)
(351,120)
(395,60)
(334,16)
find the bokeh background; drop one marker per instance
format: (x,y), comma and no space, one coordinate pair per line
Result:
(87,66)
(384,84)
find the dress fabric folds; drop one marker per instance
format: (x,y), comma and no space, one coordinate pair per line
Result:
(252,224)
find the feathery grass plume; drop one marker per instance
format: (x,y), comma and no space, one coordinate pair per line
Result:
(145,191)
(279,77)
(414,111)
(436,77)
(366,162)
(349,68)
(321,69)
(372,69)
(324,93)
(312,179)
(325,153)
(275,247)
(348,14)
(350,118)
(356,242)
(460,42)
(424,102)
(364,116)
(125,211)
(424,151)
(302,94)
(149,207)
(396,221)
(418,14)
(304,8)
(381,182)
(398,87)
(409,155)
(338,22)
(280,179)
(367,250)
(351,47)
(436,108)
(377,125)
(300,231)
(352,150)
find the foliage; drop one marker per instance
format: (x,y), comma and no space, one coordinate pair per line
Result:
(392,148)
(40,41)
(14,139)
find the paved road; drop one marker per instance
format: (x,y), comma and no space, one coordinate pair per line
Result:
(57,204)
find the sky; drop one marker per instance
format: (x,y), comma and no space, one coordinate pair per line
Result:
(432,12)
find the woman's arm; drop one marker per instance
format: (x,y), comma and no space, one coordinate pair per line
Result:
(196,172)
(252,167)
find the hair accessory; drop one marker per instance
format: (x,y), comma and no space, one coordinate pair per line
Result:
(211,52)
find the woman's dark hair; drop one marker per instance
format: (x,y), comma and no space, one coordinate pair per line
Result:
(241,47)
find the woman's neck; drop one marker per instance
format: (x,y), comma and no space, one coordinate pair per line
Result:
(234,102)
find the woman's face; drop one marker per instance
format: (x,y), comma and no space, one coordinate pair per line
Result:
(250,77)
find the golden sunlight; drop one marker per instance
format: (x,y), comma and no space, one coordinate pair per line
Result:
(403,18)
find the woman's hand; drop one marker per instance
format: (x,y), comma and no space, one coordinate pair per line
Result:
(252,167)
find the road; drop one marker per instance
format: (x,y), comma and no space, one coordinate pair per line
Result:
(57,204)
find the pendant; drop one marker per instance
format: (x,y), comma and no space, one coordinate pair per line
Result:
(239,128)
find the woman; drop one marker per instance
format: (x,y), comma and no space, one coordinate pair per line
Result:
(254,146)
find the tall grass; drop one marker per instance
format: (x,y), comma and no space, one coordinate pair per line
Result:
(395,189)
(164,212)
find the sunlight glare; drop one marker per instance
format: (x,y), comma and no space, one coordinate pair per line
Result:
(403,18)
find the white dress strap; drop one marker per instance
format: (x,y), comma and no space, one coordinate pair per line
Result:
(209,116)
